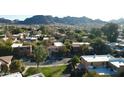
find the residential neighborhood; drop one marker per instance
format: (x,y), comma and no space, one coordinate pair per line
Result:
(66,46)
(54,50)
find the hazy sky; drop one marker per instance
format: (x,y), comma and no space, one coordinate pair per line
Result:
(103,9)
(13,17)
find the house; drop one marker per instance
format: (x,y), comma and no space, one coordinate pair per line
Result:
(15,45)
(80,43)
(15,40)
(21,50)
(114,44)
(58,44)
(96,60)
(5,38)
(46,38)
(117,64)
(117,47)
(103,64)
(16,35)
(31,39)
(19,36)
(56,47)
(6,60)
(38,35)
(98,63)
(76,46)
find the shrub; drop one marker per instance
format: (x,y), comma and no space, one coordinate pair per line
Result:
(17,66)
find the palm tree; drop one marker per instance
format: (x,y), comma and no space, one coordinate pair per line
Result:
(67,48)
(74,61)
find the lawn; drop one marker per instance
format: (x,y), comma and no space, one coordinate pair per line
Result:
(56,71)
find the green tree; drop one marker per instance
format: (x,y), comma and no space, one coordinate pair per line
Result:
(95,32)
(68,46)
(40,54)
(61,30)
(74,61)
(17,66)
(5,48)
(111,31)
(4,68)
(84,49)
(45,30)
(17,31)
(100,47)
(1,32)
(8,42)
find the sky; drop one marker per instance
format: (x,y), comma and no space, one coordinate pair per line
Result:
(95,9)
(13,17)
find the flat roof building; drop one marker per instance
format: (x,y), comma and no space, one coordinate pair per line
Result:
(58,44)
(46,38)
(105,64)
(118,62)
(97,58)
(15,45)
(80,43)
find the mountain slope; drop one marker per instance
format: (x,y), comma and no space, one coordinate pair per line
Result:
(40,19)
(3,20)
(119,21)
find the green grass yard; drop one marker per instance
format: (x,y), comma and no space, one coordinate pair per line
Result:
(56,71)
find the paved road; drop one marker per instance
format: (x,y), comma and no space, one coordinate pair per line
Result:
(50,62)
(65,60)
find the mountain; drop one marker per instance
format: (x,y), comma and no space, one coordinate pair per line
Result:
(118,21)
(3,20)
(41,19)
